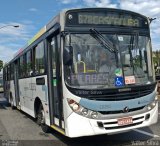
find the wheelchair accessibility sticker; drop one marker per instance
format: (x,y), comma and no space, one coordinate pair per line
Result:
(119,81)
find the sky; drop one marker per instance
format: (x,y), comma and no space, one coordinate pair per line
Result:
(32,15)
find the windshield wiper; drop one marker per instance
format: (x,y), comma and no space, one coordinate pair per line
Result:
(102,40)
(130,52)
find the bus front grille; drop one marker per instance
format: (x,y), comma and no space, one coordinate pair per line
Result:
(114,124)
(124,126)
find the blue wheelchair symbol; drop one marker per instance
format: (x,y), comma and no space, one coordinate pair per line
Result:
(119,81)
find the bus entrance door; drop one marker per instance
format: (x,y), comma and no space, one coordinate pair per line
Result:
(16,84)
(55,96)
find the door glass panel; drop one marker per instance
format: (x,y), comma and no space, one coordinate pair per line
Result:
(53,57)
(54,77)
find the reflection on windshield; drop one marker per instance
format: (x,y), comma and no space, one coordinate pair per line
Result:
(94,66)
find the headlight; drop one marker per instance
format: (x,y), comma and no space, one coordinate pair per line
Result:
(77,108)
(156,98)
(74,105)
(94,115)
(151,105)
(84,111)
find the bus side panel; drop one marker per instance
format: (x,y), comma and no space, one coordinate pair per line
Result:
(41,91)
(22,93)
(28,98)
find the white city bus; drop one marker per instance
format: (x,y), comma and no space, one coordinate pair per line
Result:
(56,78)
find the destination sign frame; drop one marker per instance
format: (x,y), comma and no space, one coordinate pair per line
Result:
(106,19)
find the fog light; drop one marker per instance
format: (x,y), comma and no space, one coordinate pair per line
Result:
(94,115)
(147,116)
(84,111)
(100,124)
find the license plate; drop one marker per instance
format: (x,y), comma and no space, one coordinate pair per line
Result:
(125,121)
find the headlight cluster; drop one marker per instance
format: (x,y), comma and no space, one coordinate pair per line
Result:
(152,104)
(81,110)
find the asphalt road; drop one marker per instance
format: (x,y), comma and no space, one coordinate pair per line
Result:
(17,128)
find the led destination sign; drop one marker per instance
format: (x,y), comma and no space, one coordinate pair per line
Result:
(90,79)
(106,18)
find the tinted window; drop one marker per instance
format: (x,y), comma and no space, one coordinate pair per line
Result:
(39,59)
(28,63)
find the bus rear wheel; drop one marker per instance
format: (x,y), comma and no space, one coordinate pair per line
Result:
(41,120)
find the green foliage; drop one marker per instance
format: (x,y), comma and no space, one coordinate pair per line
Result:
(156,61)
(156,57)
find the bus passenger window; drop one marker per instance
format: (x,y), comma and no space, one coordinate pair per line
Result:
(29,63)
(39,59)
(22,67)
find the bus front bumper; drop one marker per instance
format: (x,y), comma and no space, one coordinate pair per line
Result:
(77,125)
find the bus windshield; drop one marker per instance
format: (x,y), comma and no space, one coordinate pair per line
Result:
(126,61)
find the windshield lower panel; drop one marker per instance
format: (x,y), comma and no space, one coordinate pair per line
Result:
(117,61)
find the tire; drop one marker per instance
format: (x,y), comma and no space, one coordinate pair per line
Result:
(12,104)
(41,120)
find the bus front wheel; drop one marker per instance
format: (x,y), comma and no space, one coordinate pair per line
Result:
(41,120)
(12,102)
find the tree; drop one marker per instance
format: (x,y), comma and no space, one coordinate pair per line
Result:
(1,64)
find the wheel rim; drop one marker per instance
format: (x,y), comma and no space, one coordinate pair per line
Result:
(40,118)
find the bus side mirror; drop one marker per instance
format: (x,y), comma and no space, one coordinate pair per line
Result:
(68,55)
